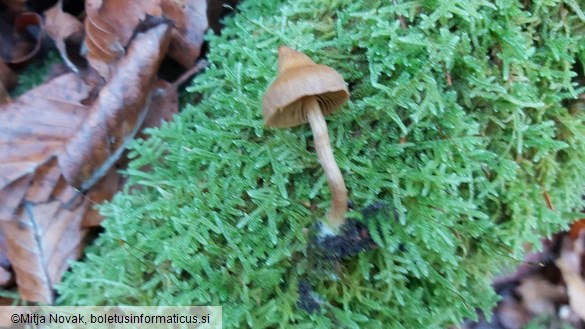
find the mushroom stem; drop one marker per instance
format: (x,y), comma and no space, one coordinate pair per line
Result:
(336,216)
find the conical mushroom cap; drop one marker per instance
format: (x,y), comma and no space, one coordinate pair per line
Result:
(289,58)
(299,76)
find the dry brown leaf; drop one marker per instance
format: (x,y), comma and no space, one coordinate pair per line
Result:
(190,18)
(25,40)
(64,29)
(34,128)
(103,191)
(41,241)
(165,102)
(164,105)
(12,195)
(51,140)
(118,113)
(41,234)
(570,265)
(109,25)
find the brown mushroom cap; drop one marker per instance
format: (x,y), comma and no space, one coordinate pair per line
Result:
(298,77)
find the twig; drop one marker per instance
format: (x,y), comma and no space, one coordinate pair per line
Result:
(199,66)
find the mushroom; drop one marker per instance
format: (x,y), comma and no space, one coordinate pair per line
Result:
(305,92)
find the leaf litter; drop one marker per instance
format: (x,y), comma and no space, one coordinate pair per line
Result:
(546,291)
(61,142)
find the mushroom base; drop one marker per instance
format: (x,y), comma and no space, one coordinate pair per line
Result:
(353,237)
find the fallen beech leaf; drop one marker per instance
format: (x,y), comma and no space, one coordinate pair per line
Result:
(67,32)
(118,113)
(570,265)
(41,233)
(41,241)
(165,103)
(51,140)
(109,25)
(44,182)
(190,18)
(12,195)
(104,190)
(26,39)
(34,128)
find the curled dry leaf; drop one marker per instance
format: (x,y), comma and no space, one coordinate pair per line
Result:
(26,39)
(67,33)
(109,25)
(190,18)
(118,113)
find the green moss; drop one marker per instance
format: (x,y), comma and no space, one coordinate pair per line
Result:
(34,74)
(222,211)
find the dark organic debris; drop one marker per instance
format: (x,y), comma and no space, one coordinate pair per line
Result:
(324,252)
(308,300)
(353,237)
